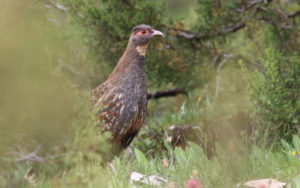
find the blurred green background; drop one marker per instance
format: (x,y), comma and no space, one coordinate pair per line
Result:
(237,62)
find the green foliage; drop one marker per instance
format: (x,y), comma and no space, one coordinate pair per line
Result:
(140,157)
(227,169)
(296,182)
(213,15)
(48,67)
(185,158)
(108,24)
(274,91)
(44,100)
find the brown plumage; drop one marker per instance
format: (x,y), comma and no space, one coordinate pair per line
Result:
(121,101)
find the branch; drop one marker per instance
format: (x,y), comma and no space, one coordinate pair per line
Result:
(192,36)
(189,35)
(165,93)
(292,15)
(33,156)
(251,4)
(226,58)
(233,28)
(57,5)
(285,15)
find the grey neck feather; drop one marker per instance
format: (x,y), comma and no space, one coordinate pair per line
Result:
(133,56)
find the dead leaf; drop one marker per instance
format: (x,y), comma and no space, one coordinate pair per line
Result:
(265,183)
(136,177)
(31,176)
(165,163)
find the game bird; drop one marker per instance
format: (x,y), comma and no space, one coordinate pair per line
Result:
(121,101)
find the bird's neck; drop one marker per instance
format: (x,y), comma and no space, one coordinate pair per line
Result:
(132,60)
(136,51)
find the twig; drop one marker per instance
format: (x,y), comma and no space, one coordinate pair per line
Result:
(189,35)
(31,156)
(251,4)
(281,12)
(112,168)
(205,91)
(165,93)
(57,5)
(292,15)
(226,57)
(192,36)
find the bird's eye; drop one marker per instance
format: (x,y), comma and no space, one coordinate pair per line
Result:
(143,32)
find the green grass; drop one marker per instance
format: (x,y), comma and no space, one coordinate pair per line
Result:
(81,165)
(74,142)
(227,169)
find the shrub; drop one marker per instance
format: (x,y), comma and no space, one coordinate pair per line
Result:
(274,91)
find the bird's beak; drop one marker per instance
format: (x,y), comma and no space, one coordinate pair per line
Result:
(157,33)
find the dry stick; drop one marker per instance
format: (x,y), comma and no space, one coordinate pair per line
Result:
(31,156)
(112,168)
(226,57)
(281,12)
(286,17)
(165,93)
(251,4)
(292,15)
(235,27)
(57,5)
(219,68)
(192,36)
(205,91)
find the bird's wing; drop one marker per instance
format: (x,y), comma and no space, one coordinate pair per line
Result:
(97,93)
(122,116)
(110,108)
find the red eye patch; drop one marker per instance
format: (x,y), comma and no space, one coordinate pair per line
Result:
(143,32)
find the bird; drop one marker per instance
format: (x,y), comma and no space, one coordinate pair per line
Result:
(120,102)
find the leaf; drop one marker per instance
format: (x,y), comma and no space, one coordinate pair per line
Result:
(286,146)
(180,156)
(196,151)
(140,157)
(168,146)
(296,142)
(296,182)
(31,176)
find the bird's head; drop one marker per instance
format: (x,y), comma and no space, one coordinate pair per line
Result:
(141,36)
